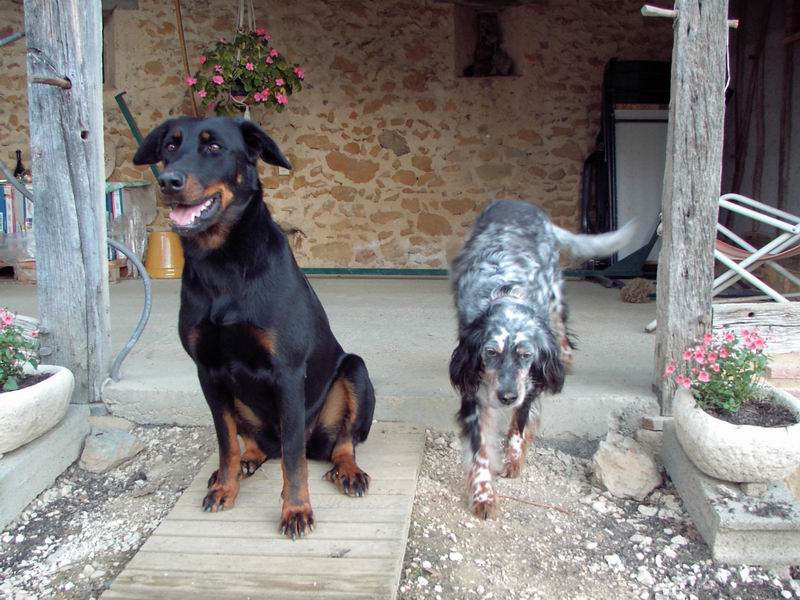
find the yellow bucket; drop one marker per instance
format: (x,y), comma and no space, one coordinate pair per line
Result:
(164,258)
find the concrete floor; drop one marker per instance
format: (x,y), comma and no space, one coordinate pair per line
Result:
(405,330)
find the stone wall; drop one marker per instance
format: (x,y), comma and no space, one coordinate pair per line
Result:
(393,153)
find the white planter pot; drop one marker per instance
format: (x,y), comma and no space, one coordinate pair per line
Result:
(737,453)
(28,413)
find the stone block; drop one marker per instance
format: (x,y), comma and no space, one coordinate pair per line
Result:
(654,422)
(737,528)
(28,471)
(107,448)
(624,468)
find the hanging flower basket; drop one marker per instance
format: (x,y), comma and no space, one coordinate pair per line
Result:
(247,70)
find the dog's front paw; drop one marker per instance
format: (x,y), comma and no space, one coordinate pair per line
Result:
(484,508)
(220,497)
(349,479)
(296,521)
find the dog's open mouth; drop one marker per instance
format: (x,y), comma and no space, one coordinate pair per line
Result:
(188,218)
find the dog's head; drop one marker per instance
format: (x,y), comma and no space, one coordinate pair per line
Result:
(512,351)
(210,172)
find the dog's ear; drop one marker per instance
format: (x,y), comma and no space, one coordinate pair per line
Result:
(547,370)
(466,363)
(260,145)
(149,151)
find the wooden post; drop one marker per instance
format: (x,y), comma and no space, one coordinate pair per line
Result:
(64,41)
(691,182)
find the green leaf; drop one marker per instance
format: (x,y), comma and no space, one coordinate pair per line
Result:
(10,385)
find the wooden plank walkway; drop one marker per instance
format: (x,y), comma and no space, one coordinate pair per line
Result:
(355,551)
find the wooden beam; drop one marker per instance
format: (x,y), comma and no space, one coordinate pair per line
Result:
(66,134)
(691,182)
(779,324)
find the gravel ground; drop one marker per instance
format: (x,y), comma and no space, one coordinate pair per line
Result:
(601,547)
(77,536)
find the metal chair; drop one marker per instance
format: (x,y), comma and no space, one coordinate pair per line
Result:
(741,258)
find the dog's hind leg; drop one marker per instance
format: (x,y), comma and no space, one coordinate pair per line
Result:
(521,432)
(347,417)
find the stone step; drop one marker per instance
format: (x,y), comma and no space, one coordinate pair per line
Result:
(784,366)
(789,385)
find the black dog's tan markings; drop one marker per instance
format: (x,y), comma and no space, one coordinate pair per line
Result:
(270,368)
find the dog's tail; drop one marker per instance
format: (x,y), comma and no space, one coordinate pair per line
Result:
(584,245)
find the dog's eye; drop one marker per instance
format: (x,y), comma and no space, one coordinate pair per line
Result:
(491,352)
(213,148)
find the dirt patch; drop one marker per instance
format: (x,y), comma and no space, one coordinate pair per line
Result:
(78,535)
(32,379)
(601,547)
(759,412)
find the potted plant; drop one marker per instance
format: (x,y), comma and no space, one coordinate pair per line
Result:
(247,70)
(731,425)
(33,397)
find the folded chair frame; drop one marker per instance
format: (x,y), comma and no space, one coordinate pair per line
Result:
(742,258)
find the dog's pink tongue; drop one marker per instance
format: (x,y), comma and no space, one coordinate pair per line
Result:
(183,215)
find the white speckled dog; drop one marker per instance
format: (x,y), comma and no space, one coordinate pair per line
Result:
(512,336)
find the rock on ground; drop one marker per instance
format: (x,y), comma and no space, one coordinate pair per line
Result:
(107,448)
(623,467)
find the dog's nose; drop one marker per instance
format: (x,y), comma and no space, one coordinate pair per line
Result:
(508,397)
(171,181)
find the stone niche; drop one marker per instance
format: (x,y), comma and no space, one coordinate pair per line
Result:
(485,42)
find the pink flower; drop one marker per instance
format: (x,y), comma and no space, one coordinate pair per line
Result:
(729,337)
(715,367)
(267,37)
(670,368)
(711,357)
(218,68)
(723,352)
(759,344)
(281,98)
(202,60)
(279,82)
(260,31)
(683,381)
(703,376)
(265,93)
(218,79)
(222,40)
(268,60)
(699,355)
(190,81)
(745,333)
(688,355)
(273,53)
(707,339)
(249,66)
(35,333)
(202,93)
(6,318)
(299,72)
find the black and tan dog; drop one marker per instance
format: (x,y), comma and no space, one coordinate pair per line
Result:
(270,368)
